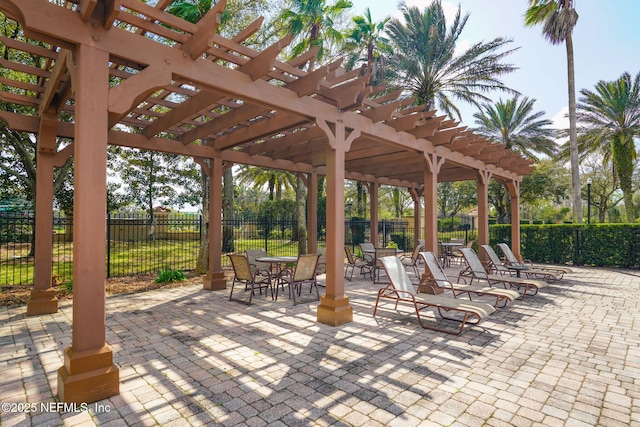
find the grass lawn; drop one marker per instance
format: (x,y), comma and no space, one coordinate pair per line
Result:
(126,258)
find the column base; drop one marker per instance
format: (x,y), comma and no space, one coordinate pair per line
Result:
(42,302)
(88,376)
(214,281)
(335,311)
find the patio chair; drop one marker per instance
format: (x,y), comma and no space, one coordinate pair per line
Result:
(412,260)
(263,268)
(368,252)
(377,266)
(476,271)
(321,268)
(303,273)
(440,279)
(355,262)
(455,254)
(512,260)
(242,273)
(400,289)
(458,255)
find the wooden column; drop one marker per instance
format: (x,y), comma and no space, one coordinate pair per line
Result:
(514,191)
(214,279)
(483,178)
(334,308)
(433,164)
(373,208)
(88,373)
(43,296)
(417,214)
(312,213)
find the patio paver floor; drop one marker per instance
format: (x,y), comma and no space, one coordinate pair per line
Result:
(568,356)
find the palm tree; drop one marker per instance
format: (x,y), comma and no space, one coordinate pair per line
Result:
(429,68)
(190,10)
(275,180)
(558,18)
(514,124)
(609,120)
(367,45)
(315,20)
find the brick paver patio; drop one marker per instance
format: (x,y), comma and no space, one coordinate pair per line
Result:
(568,356)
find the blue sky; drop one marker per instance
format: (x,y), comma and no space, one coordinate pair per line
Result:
(606,44)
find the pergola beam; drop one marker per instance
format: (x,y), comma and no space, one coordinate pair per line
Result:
(201,39)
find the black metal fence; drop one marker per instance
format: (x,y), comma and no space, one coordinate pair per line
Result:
(137,244)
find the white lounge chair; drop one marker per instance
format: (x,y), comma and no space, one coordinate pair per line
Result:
(439,277)
(511,259)
(529,272)
(400,289)
(476,271)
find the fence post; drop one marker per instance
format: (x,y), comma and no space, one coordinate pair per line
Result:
(108,244)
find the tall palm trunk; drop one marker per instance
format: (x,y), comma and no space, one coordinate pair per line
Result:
(576,199)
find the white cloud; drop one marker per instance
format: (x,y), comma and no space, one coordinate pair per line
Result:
(561,119)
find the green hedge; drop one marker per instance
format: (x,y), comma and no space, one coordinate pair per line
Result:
(602,245)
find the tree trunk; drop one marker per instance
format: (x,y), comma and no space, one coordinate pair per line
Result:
(360,199)
(228,212)
(202,263)
(576,199)
(301,216)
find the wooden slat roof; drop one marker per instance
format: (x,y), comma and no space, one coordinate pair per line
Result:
(180,87)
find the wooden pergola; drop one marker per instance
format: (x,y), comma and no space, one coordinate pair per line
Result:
(122,72)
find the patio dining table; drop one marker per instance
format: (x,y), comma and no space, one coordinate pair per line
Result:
(277,261)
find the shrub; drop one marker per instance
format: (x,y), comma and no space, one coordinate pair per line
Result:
(602,245)
(400,241)
(170,276)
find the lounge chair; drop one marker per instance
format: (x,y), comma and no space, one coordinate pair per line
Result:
(511,259)
(400,289)
(476,271)
(500,268)
(440,279)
